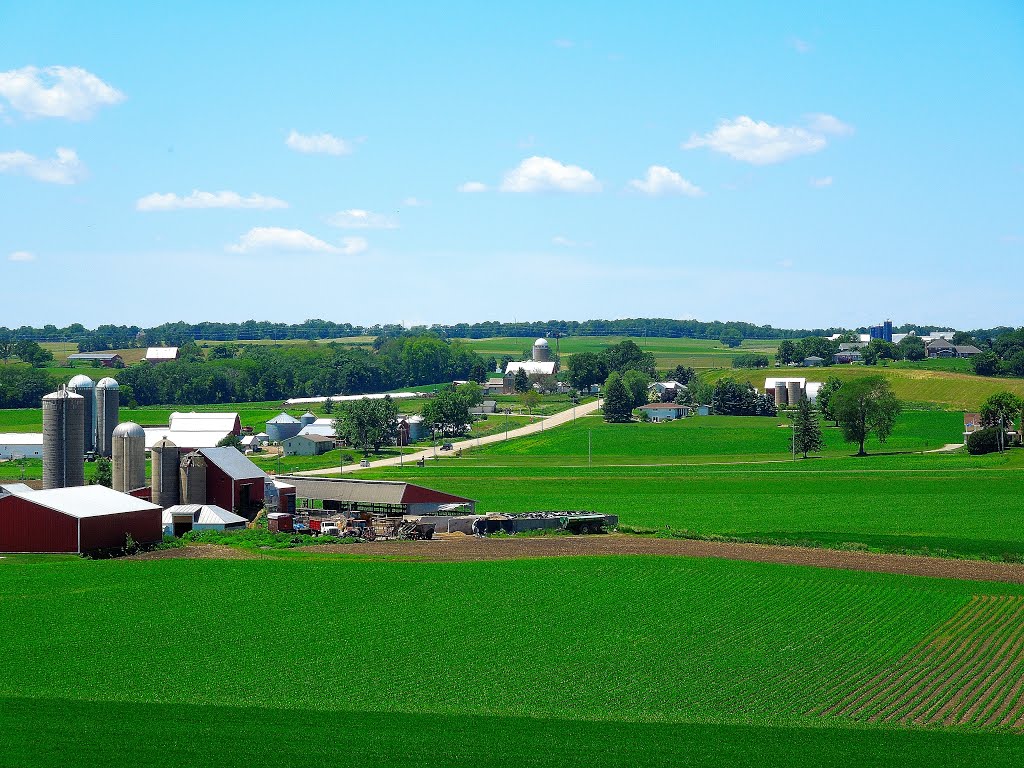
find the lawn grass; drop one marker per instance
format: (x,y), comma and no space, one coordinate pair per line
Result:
(323,660)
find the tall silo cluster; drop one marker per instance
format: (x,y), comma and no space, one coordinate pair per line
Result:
(84,386)
(129,457)
(63,439)
(108,405)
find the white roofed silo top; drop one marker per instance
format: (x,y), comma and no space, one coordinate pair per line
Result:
(540,343)
(129,429)
(81,381)
(63,394)
(107,383)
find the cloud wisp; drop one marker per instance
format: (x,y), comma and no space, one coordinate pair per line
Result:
(69,92)
(661,181)
(357,218)
(318,144)
(203,200)
(280,239)
(64,168)
(760,143)
(544,174)
(824,181)
(472,187)
(22,256)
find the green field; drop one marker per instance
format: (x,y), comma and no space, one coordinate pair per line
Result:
(577,661)
(921,385)
(698,353)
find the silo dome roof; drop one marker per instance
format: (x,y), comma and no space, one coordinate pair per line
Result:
(63,394)
(540,343)
(107,383)
(129,429)
(81,381)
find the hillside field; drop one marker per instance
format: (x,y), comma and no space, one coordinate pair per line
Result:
(567,661)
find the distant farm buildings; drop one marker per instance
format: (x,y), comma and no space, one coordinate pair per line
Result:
(104,359)
(788,391)
(394,499)
(161,354)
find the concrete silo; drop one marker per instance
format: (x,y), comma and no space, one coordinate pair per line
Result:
(793,392)
(84,386)
(193,478)
(166,483)
(129,452)
(108,406)
(541,351)
(781,395)
(63,436)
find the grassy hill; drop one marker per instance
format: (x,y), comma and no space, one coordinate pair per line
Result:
(557,662)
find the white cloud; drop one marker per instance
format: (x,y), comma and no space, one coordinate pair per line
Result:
(824,181)
(198,199)
(319,143)
(473,186)
(292,240)
(563,43)
(786,263)
(563,241)
(65,168)
(22,256)
(413,202)
(356,218)
(761,143)
(69,92)
(664,181)
(828,124)
(800,46)
(539,174)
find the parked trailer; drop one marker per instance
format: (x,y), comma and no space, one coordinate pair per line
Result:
(574,522)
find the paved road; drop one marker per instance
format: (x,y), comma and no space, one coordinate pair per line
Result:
(557,419)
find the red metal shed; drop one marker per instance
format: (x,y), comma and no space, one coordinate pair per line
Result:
(232,481)
(75,520)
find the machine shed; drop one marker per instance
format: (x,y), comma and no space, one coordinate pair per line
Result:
(75,520)
(375,496)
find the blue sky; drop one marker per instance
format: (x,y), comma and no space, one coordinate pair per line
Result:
(808,166)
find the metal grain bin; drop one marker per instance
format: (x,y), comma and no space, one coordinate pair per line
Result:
(306,419)
(108,406)
(193,478)
(166,483)
(283,426)
(129,452)
(63,439)
(84,386)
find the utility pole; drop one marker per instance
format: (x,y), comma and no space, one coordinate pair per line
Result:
(590,448)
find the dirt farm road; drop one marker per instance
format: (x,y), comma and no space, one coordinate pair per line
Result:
(555,420)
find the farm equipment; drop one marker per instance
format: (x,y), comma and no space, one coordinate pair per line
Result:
(416,531)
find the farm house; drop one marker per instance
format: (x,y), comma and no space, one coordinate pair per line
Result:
(79,519)
(307,445)
(377,496)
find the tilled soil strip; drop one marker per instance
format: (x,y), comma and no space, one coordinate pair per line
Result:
(457,547)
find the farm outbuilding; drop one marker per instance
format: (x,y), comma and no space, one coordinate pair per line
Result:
(232,481)
(192,431)
(77,519)
(183,518)
(665,411)
(375,496)
(23,445)
(104,359)
(161,354)
(307,445)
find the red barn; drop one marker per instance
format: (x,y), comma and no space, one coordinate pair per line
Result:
(75,520)
(232,481)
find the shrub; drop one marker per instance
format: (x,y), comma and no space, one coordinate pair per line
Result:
(983,441)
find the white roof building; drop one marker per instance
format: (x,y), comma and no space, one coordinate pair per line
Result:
(161,354)
(347,398)
(321,427)
(87,501)
(28,445)
(208,516)
(532,368)
(204,422)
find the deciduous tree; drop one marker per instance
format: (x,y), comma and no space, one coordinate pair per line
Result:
(863,407)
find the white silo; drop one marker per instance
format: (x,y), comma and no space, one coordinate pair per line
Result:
(129,451)
(63,433)
(541,351)
(108,406)
(84,386)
